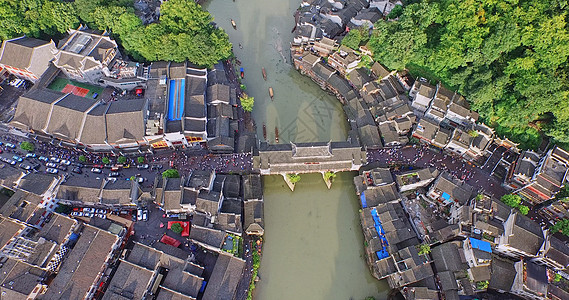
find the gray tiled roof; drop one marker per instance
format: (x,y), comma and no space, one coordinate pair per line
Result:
(225,277)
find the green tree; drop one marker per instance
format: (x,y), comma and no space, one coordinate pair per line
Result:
(293,178)
(140,159)
(424,249)
(82,158)
(511,200)
(63,209)
(482,285)
(352,39)
(329,176)
(106,160)
(524,210)
(507,58)
(177,228)
(395,12)
(171,173)
(27,146)
(561,226)
(121,159)
(247,102)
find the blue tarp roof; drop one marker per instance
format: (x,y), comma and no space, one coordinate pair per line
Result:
(446,196)
(381,254)
(363,198)
(481,245)
(73,237)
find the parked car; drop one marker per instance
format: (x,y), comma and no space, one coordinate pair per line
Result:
(101,211)
(26,166)
(139,215)
(96,170)
(142,167)
(89,215)
(89,210)
(31,155)
(114,174)
(55,159)
(9,161)
(62,167)
(77,164)
(65,162)
(99,166)
(10,145)
(51,165)
(102,216)
(52,171)
(77,170)
(140,179)
(43,158)
(17,158)
(145,215)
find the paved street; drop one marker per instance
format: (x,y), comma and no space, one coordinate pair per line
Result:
(422,157)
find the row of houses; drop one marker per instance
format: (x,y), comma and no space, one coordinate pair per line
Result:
(47,255)
(182,104)
(479,244)
(316,19)
(375,102)
(224,202)
(384,109)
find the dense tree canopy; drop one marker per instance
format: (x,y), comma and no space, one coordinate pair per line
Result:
(508,57)
(185,30)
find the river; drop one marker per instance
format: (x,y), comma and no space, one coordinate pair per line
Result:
(313,241)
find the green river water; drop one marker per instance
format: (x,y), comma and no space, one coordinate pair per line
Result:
(313,241)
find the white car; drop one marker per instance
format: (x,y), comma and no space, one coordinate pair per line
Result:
(139,215)
(89,210)
(145,215)
(65,162)
(51,165)
(102,216)
(55,160)
(96,170)
(52,171)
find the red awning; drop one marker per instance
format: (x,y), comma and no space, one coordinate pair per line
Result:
(170,241)
(185,226)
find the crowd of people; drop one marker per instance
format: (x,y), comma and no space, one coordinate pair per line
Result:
(422,156)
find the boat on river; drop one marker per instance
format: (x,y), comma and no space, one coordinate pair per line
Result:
(271,93)
(276,134)
(264,131)
(264,74)
(233,24)
(242,73)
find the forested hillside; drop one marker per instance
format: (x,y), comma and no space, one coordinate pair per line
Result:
(508,57)
(184,31)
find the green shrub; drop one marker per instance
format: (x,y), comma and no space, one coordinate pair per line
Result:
(171,173)
(177,228)
(27,146)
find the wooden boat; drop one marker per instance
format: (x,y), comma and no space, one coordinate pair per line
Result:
(264,131)
(271,93)
(276,134)
(233,24)
(264,74)
(242,73)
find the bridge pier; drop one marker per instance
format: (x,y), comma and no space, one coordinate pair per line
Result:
(288,182)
